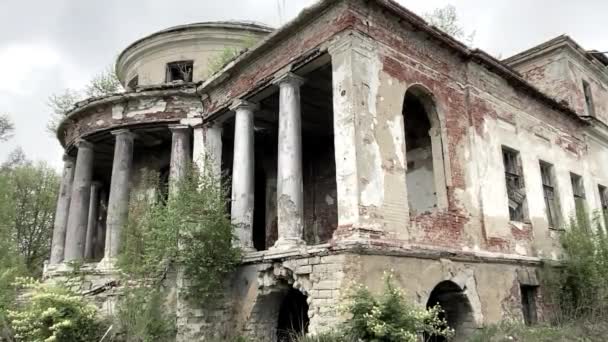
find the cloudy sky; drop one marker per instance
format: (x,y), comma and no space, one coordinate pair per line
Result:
(47,46)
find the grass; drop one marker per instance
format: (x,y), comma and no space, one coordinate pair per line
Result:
(571,332)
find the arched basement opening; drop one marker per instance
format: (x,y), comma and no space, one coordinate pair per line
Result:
(422,140)
(457,310)
(293,316)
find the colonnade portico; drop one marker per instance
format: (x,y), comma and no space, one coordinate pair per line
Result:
(78,203)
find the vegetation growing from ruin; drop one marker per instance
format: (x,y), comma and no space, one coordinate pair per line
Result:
(187,232)
(142,317)
(51,313)
(385,317)
(190,230)
(227,55)
(575,291)
(446,19)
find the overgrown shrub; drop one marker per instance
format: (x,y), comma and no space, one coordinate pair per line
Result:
(190,229)
(52,313)
(577,289)
(387,317)
(142,317)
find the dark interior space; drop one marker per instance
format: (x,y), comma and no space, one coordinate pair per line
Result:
(420,177)
(457,310)
(293,316)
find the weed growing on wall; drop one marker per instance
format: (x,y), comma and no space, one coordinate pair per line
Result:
(578,288)
(190,229)
(385,317)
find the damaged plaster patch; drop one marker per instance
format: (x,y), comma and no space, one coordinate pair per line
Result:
(396,129)
(149,106)
(118,111)
(373,191)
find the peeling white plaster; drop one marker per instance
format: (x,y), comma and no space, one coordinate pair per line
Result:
(396,129)
(149,106)
(118,111)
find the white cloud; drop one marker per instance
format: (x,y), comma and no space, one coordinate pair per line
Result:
(19,61)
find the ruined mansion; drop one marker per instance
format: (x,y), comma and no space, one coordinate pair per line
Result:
(359,139)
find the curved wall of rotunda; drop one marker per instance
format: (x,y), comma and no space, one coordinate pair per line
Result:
(147,61)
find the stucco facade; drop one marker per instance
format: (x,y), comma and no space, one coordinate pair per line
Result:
(379,143)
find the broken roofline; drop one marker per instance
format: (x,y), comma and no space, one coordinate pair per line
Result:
(309,13)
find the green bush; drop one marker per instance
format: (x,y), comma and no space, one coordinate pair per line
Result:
(577,288)
(142,317)
(387,317)
(54,314)
(190,230)
(514,331)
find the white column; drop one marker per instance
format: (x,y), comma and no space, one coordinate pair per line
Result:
(290,196)
(118,203)
(61,212)
(207,147)
(79,203)
(92,221)
(181,154)
(243,173)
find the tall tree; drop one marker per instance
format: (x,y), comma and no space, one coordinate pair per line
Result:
(27,208)
(104,83)
(6,127)
(446,19)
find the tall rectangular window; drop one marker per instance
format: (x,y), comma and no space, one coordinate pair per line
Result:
(588,98)
(516,191)
(528,303)
(578,190)
(550,194)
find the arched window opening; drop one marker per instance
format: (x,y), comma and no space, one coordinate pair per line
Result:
(423,150)
(457,310)
(293,317)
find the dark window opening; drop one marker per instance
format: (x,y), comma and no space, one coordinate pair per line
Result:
(516,191)
(134,82)
(588,99)
(163,185)
(293,317)
(578,190)
(550,195)
(418,108)
(528,303)
(259,212)
(179,71)
(604,202)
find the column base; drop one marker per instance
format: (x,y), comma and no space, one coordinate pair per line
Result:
(106,264)
(283,244)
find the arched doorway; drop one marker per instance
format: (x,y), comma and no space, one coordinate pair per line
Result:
(457,310)
(293,316)
(424,157)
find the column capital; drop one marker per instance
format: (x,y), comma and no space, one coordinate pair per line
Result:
(68,159)
(289,78)
(178,127)
(354,41)
(243,104)
(192,122)
(123,132)
(81,143)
